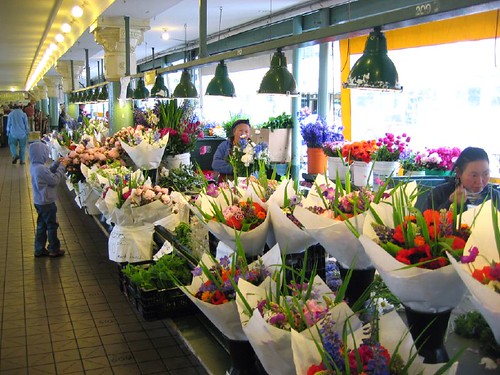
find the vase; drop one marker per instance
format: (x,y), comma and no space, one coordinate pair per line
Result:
(243,359)
(316,160)
(362,173)
(429,331)
(360,280)
(175,161)
(336,166)
(436,172)
(384,169)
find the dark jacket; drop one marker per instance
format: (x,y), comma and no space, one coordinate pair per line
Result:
(220,162)
(439,196)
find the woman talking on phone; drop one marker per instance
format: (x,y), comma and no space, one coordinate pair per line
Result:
(469,187)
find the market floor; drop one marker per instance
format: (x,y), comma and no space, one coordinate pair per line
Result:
(67,315)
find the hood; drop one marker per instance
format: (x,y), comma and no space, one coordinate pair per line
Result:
(39,153)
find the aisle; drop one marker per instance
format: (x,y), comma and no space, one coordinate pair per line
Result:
(67,315)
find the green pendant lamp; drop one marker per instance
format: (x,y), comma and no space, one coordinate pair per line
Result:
(159,89)
(278,80)
(88,96)
(185,88)
(141,92)
(95,95)
(374,70)
(103,95)
(130,92)
(221,85)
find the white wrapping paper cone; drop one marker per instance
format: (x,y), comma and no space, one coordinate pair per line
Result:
(144,155)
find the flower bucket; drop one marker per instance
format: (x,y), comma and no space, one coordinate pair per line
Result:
(436,172)
(384,169)
(316,160)
(175,161)
(361,173)
(336,166)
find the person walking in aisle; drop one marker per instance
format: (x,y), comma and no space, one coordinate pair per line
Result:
(30,112)
(44,181)
(17,131)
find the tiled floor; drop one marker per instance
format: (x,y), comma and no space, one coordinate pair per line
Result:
(67,315)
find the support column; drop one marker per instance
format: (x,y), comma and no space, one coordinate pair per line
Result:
(110,32)
(296,143)
(70,71)
(44,101)
(323,68)
(53,93)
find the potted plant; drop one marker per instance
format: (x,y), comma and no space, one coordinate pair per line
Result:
(337,165)
(277,133)
(360,155)
(438,161)
(387,155)
(315,132)
(410,166)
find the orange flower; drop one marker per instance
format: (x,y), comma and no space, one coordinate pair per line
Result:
(419,241)
(482,275)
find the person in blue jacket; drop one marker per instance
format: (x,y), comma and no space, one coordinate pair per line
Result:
(469,186)
(220,163)
(18,131)
(44,181)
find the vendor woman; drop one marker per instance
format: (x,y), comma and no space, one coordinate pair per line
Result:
(240,129)
(470,184)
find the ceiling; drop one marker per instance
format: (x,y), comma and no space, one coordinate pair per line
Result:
(29,26)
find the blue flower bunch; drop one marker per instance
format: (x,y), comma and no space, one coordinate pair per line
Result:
(316,131)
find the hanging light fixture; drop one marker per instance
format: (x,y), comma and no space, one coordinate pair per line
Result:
(141,92)
(103,95)
(130,92)
(374,70)
(221,85)
(278,80)
(95,95)
(159,90)
(185,88)
(165,35)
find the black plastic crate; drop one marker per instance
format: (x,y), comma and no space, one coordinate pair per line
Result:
(163,303)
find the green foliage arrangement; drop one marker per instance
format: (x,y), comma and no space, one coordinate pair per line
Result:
(282,121)
(159,274)
(182,179)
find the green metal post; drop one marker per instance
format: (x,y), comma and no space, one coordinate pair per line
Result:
(323,68)
(120,115)
(54,113)
(296,142)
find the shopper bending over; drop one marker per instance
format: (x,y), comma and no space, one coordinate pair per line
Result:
(469,185)
(44,181)
(220,163)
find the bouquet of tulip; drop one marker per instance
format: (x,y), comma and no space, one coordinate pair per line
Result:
(382,347)
(86,154)
(328,213)
(145,146)
(214,286)
(359,151)
(227,215)
(480,269)
(408,248)
(442,158)
(269,312)
(288,231)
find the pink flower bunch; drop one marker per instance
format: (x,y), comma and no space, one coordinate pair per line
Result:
(442,158)
(391,147)
(145,194)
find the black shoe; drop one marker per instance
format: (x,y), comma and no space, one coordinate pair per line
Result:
(43,253)
(15,159)
(57,253)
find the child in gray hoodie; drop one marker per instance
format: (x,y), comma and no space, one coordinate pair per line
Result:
(44,181)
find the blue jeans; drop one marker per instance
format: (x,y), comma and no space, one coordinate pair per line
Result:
(14,143)
(46,228)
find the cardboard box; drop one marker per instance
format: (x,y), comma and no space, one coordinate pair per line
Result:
(279,142)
